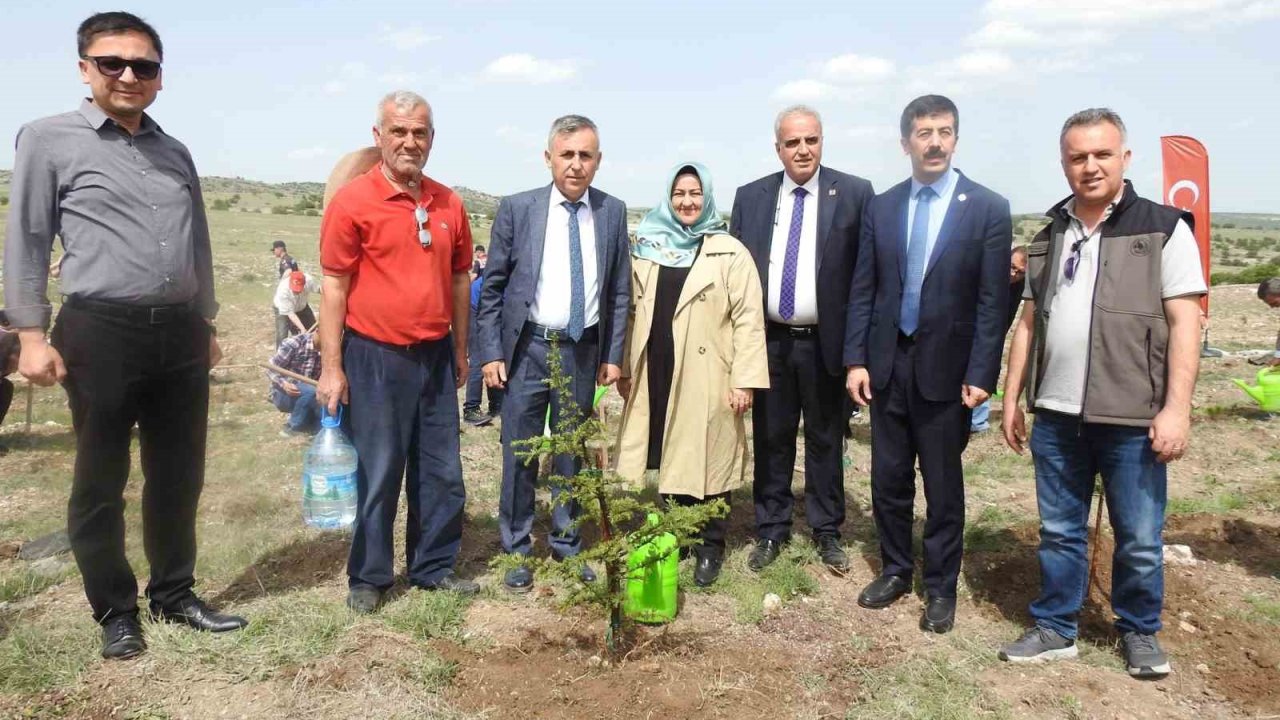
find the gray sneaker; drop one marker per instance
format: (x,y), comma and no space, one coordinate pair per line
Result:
(1143,656)
(1039,645)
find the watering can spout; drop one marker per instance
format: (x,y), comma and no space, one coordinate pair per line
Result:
(1266,392)
(1254,391)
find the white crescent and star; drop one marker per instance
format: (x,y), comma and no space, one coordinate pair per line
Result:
(1184,185)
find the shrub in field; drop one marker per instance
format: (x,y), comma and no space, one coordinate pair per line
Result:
(609,504)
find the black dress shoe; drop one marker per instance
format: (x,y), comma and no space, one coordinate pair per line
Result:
(883,591)
(193,611)
(763,554)
(939,615)
(450,582)
(364,599)
(518,580)
(708,568)
(833,556)
(585,573)
(122,637)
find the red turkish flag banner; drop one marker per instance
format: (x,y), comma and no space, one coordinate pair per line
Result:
(1186,187)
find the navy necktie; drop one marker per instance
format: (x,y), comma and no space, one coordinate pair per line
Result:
(917,245)
(787,295)
(577,284)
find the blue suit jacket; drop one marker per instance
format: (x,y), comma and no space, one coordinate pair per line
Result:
(963,299)
(841,202)
(515,259)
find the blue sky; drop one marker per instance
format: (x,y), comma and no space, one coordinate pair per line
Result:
(277,91)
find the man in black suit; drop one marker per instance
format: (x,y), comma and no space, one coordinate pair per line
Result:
(801,226)
(926,329)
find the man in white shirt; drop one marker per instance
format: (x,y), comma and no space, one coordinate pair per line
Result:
(292,303)
(801,225)
(1107,349)
(559,270)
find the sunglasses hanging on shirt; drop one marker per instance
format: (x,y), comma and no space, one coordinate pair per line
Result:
(424,229)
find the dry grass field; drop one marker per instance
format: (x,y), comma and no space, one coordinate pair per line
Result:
(816,656)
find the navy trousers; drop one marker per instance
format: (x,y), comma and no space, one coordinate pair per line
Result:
(524,412)
(905,426)
(403,420)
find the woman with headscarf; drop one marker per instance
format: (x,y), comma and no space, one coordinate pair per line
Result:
(695,353)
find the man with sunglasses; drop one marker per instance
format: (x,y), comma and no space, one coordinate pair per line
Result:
(1107,349)
(407,238)
(134,339)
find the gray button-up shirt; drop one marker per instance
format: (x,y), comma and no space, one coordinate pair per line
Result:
(127,207)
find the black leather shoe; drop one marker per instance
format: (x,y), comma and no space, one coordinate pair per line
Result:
(763,554)
(193,612)
(122,637)
(364,599)
(708,567)
(939,615)
(883,591)
(833,556)
(518,580)
(585,573)
(450,582)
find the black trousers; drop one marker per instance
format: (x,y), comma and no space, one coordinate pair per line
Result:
(712,536)
(799,384)
(121,371)
(904,426)
(6,396)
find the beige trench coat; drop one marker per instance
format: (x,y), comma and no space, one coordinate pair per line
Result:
(719,344)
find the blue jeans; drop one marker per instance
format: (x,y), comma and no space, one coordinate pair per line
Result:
(403,420)
(981,417)
(1068,454)
(304,411)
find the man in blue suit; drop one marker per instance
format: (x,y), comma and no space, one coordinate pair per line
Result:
(925,332)
(801,226)
(559,270)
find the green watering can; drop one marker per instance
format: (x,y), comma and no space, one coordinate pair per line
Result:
(1266,392)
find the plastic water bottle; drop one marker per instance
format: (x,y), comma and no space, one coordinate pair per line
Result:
(329,478)
(652,587)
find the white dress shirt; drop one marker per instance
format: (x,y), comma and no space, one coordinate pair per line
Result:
(554,294)
(287,301)
(806,306)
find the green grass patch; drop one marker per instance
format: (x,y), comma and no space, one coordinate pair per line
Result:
(786,578)
(286,632)
(1218,503)
(46,653)
(425,615)
(1264,609)
(926,687)
(22,582)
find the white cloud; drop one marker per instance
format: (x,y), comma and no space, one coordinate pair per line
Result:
(1098,19)
(353,70)
(1004,34)
(405,39)
(807,90)
(525,68)
(872,132)
(308,153)
(520,136)
(852,68)
(398,78)
(982,63)
(334,87)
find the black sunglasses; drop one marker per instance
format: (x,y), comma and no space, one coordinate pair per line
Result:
(113,67)
(1073,261)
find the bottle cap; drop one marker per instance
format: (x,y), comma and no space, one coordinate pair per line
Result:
(330,421)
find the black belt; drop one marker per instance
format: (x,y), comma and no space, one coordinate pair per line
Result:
(542,332)
(141,314)
(795,331)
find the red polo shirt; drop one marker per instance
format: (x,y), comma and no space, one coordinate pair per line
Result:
(401,292)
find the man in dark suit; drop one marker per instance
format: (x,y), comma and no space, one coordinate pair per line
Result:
(926,328)
(559,269)
(801,225)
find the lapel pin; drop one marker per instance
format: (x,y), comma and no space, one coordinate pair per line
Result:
(832,192)
(962,197)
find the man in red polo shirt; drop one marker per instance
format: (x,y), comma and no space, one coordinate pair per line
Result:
(396,250)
